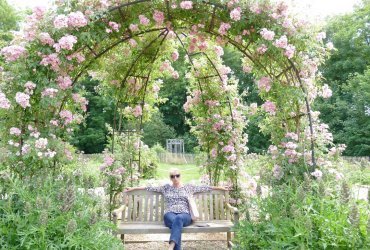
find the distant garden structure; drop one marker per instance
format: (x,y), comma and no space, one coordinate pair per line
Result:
(175,146)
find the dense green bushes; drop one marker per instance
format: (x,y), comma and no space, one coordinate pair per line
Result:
(311,215)
(47,213)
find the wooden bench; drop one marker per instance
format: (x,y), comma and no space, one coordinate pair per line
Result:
(142,213)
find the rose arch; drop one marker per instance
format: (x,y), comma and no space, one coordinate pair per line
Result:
(130,45)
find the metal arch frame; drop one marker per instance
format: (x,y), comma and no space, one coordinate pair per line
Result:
(236,44)
(284,72)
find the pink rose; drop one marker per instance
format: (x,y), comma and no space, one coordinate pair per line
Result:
(64,82)
(187,5)
(267,34)
(264,84)
(13,52)
(4,102)
(269,107)
(23,99)
(235,14)
(158,17)
(143,20)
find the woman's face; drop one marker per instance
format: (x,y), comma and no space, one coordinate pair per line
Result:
(175,177)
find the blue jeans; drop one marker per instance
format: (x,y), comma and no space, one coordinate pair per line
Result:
(176,222)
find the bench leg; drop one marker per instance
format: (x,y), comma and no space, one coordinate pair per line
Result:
(228,240)
(123,238)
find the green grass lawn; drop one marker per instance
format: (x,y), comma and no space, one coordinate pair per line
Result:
(189,172)
(355,172)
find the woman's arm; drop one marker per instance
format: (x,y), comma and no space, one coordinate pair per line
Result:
(134,188)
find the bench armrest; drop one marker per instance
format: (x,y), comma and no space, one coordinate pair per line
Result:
(235,212)
(116,212)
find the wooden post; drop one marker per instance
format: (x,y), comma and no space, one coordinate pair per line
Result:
(228,240)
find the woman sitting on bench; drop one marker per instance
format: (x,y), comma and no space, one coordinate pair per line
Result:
(177,211)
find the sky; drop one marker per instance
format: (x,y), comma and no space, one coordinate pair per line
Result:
(314,9)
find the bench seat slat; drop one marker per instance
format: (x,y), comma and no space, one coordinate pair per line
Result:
(157,228)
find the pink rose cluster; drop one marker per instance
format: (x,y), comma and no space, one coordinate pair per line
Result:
(34,133)
(64,82)
(197,41)
(80,100)
(269,107)
(23,99)
(74,20)
(264,84)
(192,100)
(230,150)
(132,42)
(78,56)
(277,172)
(144,20)
(325,92)
(66,42)
(291,146)
(4,102)
(41,143)
(46,39)
(175,55)
(49,92)
(158,17)
(219,124)
(29,87)
(77,19)
(186,5)
(38,12)
(115,26)
(289,51)
(219,50)
(52,60)
(136,111)
(15,131)
(235,14)
(13,52)
(337,150)
(167,67)
(273,151)
(282,42)
(247,69)
(317,174)
(262,49)
(134,27)
(267,34)
(67,116)
(224,27)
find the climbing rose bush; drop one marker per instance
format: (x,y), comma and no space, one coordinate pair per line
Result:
(77,38)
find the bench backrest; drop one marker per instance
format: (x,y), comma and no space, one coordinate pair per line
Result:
(142,205)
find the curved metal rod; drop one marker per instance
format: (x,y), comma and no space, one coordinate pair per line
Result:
(127,4)
(219,75)
(190,60)
(127,74)
(102,53)
(308,112)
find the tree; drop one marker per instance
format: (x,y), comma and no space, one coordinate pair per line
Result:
(356,128)
(175,92)
(92,134)
(8,21)
(156,131)
(350,35)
